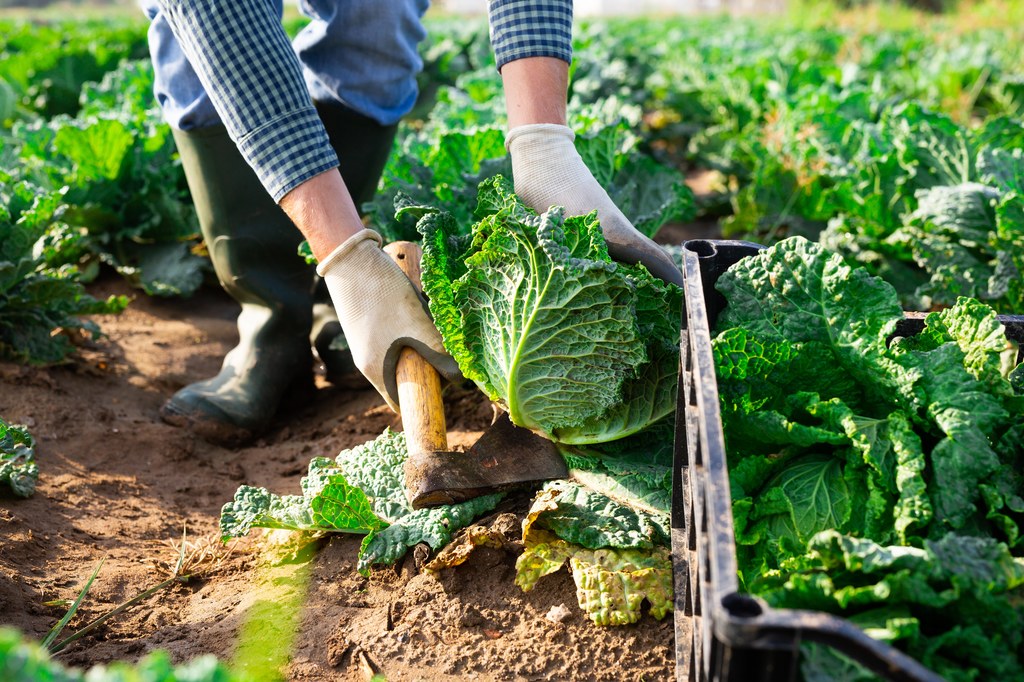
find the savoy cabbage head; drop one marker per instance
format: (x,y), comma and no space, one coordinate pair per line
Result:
(572,344)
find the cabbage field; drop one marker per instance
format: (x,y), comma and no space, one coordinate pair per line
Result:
(874,479)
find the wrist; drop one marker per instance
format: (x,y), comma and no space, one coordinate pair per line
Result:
(535,90)
(324,212)
(343,251)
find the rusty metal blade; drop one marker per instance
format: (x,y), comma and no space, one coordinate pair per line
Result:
(506,456)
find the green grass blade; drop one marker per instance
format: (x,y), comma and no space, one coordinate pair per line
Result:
(59,627)
(181,554)
(118,609)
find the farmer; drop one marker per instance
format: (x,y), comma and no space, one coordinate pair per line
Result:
(274,136)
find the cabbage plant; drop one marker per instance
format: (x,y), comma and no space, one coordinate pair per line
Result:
(573,345)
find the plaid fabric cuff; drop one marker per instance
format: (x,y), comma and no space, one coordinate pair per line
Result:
(530,28)
(253,77)
(288,150)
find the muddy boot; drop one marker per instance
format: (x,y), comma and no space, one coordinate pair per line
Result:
(253,245)
(363,146)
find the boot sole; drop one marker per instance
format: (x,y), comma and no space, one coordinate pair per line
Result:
(210,429)
(217,429)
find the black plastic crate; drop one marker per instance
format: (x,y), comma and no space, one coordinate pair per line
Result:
(723,635)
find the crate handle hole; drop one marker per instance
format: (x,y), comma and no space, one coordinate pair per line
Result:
(702,247)
(742,605)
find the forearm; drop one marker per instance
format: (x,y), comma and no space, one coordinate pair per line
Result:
(245,62)
(324,212)
(532,42)
(535,90)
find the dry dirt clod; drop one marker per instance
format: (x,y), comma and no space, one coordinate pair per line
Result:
(421,555)
(508,524)
(233,470)
(463,615)
(367,667)
(558,614)
(338,648)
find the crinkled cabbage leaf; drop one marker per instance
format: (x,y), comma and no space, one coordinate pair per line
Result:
(573,345)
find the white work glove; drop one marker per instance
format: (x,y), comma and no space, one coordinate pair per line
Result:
(380,313)
(548,171)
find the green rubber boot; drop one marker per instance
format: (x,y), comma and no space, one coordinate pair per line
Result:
(253,246)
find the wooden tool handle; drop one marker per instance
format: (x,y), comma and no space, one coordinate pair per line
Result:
(419,386)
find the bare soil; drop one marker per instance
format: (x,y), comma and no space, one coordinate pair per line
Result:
(119,485)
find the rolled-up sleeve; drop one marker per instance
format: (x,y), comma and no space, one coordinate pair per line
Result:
(530,28)
(247,65)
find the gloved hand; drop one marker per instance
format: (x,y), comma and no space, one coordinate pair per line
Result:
(548,171)
(380,313)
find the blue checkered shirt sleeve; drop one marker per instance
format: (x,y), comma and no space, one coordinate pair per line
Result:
(530,28)
(247,65)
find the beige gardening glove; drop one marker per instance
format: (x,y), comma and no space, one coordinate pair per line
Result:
(548,171)
(380,313)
